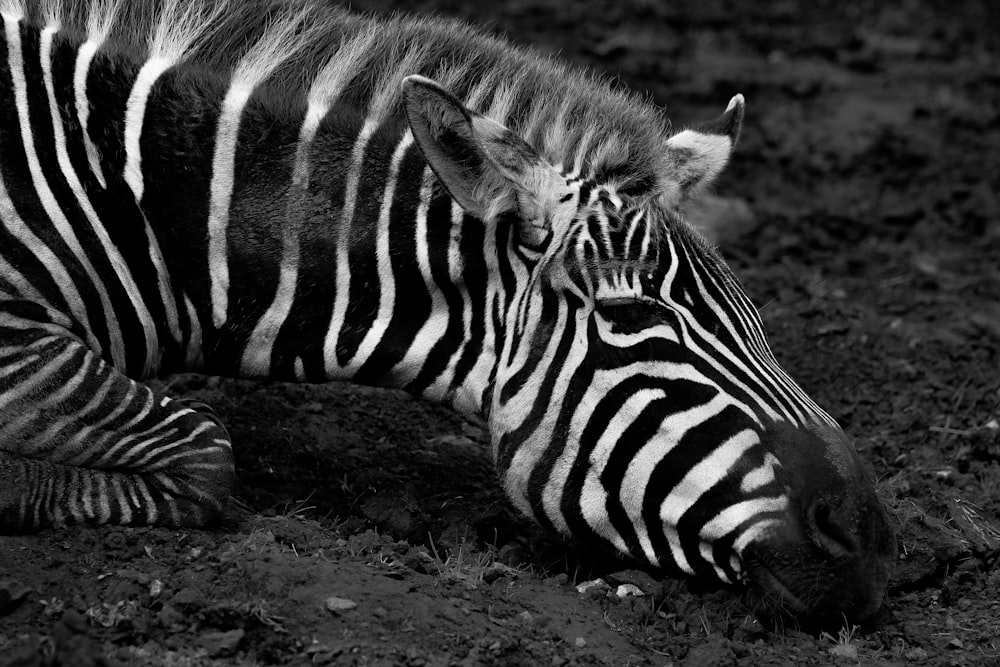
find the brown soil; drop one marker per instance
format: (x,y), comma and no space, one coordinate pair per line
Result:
(870,159)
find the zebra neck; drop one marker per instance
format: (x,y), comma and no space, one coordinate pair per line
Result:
(316,247)
(217,227)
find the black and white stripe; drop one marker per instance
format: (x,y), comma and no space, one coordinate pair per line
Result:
(252,200)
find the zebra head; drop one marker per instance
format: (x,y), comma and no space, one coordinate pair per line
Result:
(635,400)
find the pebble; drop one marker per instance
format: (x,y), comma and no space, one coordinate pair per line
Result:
(844,651)
(629,590)
(560,579)
(593,583)
(189,599)
(915,655)
(337,605)
(580,642)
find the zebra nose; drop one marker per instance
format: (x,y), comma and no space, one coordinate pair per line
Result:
(833,525)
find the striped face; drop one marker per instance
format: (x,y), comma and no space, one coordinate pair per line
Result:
(640,371)
(639,404)
(636,402)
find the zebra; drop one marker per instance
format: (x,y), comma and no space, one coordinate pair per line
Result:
(286,190)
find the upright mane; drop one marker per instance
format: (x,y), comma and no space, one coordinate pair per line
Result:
(575,119)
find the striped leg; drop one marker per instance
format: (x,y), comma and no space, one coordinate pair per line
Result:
(80,442)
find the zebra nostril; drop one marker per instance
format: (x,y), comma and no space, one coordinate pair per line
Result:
(832,529)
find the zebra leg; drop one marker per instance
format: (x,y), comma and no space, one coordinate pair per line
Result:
(82,443)
(204,409)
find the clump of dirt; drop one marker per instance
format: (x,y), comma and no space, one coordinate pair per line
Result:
(372,530)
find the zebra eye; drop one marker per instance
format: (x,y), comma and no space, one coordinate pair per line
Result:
(631,315)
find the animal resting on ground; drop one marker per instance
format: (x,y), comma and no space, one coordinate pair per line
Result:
(293,192)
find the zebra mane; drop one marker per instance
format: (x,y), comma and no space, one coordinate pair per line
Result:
(575,119)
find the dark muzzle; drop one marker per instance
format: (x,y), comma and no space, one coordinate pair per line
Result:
(831,559)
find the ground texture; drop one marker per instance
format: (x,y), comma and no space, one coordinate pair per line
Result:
(371,530)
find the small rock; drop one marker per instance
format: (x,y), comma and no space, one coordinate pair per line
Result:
(221,644)
(955,643)
(420,561)
(588,585)
(338,605)
(636,577)
(629,590)
(844,651)
(313,408)
(560,579)
(525,617)
(497,571)
(130,574)
(380,612)
(189,599)
(580,642)
(915,655)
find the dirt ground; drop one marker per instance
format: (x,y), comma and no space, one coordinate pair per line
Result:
(371,530)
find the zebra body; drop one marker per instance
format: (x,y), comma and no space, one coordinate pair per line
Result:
(397,202)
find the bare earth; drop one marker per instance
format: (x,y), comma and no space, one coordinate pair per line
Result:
(369,528)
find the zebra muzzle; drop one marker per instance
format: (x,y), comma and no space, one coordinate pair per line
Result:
(831,560)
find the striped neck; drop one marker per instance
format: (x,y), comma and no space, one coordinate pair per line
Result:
(306,239)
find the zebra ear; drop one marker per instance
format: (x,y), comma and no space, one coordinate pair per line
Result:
(485,167)
(698,155)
